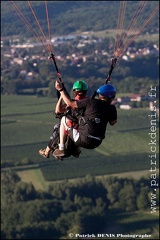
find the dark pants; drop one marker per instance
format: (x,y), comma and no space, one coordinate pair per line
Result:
(89,143)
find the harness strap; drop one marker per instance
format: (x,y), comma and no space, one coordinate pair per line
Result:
(98,138)
(83,121)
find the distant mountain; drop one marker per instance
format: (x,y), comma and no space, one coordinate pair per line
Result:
(67,17)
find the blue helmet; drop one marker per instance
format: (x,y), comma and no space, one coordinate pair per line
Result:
(107,91)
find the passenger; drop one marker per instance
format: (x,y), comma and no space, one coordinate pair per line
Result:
(97,113)
(80,89)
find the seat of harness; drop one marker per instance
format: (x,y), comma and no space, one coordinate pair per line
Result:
(83,120)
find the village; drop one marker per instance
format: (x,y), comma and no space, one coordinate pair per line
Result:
(12,53)
(75,57)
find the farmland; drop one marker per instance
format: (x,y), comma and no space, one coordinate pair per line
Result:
(26,125)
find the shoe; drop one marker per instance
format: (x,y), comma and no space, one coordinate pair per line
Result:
(58,158)
(59,153)
(44,153)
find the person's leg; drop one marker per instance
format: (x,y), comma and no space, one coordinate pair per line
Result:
(63,135)
(54,138)
(45,152)
(67,129)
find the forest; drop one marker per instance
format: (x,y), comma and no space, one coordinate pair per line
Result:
(87,206)
(87,15)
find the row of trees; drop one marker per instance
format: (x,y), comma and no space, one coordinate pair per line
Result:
(68,17)
(81,207)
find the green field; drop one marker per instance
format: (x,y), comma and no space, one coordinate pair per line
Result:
(26,125)
(35,177)
(112,33)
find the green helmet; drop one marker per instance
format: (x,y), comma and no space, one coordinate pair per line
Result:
(80,86)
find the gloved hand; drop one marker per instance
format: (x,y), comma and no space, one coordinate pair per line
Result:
(58,85)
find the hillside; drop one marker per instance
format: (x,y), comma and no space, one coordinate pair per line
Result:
(27,127)
(67,17)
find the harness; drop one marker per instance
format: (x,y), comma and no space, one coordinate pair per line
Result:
(83,121)
(78,119)
(98,138)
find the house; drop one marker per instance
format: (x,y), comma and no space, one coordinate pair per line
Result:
(18,61)
(138,98)
(23,72)
(135,97)
(125,106)
(123,99)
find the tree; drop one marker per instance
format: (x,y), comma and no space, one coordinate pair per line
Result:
(142,199)
(24,192)
(9,87)
(127,198)
(52,91)
(8,184)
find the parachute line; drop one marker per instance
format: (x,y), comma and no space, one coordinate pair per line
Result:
(120,22)
(29,24)
(45,39)
(48,23)
(125,37)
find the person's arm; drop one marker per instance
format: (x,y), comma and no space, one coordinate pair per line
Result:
(113,115)
(66,99)
(60,107)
